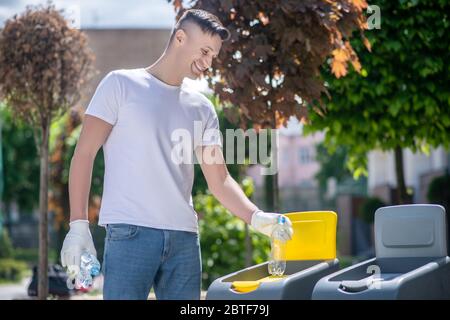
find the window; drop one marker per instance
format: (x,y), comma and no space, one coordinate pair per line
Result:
(305,156)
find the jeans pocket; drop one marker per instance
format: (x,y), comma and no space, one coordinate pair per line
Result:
(121,231)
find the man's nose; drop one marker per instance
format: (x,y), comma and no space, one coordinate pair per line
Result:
(206,64)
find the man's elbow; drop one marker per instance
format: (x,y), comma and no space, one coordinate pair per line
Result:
(215,188)
(217,185)
(84,155)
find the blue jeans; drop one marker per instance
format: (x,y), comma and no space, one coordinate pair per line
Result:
(137,258)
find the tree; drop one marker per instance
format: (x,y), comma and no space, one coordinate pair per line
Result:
(43,64)
(270,67)
(402,99)
(331,165)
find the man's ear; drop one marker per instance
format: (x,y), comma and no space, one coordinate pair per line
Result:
(180,36)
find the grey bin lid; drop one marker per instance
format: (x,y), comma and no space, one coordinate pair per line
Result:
(417,230)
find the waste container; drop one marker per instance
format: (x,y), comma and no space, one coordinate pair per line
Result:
(411,259)
(310,255)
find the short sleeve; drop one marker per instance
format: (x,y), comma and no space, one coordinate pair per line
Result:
(211,133)
(105,102)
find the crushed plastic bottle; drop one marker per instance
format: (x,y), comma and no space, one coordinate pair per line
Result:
(89,268)
(277,263)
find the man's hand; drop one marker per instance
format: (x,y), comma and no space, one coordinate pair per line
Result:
(265,221)
(77,240)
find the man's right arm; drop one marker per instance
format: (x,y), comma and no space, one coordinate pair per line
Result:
(93,135)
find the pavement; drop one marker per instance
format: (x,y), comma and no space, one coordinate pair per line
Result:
(15,291)
(18,291)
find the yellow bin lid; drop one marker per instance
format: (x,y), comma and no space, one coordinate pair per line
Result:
(314,235)
(314,238)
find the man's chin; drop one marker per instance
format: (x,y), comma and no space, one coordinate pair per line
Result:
(193,76)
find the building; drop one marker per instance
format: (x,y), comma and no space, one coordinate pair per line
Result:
(297,168)
(419,171)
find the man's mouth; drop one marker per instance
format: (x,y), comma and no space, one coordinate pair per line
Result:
(197,68)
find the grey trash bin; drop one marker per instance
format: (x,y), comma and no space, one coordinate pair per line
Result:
(310,255)
(411,259)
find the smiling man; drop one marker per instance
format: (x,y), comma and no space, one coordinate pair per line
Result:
(151,226)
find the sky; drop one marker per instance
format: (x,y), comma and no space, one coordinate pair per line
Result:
(103,13)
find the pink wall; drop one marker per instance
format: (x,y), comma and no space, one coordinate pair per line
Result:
(296,159)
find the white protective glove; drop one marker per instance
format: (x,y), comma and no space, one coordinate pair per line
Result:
(78,240)
(265,221)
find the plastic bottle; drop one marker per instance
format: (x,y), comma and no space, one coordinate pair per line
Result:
(277,263)
(89,268)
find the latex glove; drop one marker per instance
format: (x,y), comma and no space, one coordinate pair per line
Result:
(78,240)
(265,221)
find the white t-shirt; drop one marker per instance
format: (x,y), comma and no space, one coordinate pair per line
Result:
(143,185)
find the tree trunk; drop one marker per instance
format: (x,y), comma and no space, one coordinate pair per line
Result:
(276,193)
(43,214)
(402,195)
(268,194)
(271,183)
(274,164)
(248,247)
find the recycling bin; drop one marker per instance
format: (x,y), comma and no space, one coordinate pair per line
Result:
(411,259)
(310,255)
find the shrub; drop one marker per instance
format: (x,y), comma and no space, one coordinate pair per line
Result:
(439,191)
(31,255)
(222,239)
(12,270)
(368,208)
(6,247)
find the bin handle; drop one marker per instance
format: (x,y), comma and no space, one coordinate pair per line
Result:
(355,285)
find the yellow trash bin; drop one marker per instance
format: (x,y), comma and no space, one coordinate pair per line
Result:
(310,255)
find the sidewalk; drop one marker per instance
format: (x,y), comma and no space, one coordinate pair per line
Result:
(15,291)
(19,291)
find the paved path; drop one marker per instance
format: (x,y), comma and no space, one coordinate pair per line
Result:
(18,291)
(15,291)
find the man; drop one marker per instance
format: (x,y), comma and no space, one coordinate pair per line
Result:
(151,226)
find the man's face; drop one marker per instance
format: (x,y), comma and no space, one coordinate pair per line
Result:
(196,50)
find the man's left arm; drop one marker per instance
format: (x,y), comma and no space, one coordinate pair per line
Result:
(228,192)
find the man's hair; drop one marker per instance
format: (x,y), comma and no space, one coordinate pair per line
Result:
(208,22)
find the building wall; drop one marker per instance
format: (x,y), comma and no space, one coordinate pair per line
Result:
(297,160)
(123,49)
(382,176)
(297,168)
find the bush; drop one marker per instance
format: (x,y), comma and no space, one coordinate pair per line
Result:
(439,191)
(12,270)
(31,255)
(368,208)
(6,247)
(222,239)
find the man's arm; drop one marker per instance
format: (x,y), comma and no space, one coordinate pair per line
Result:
(230,194)
(223,186)
(93,135)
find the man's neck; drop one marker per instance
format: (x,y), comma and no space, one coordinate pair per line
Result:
(164,71)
